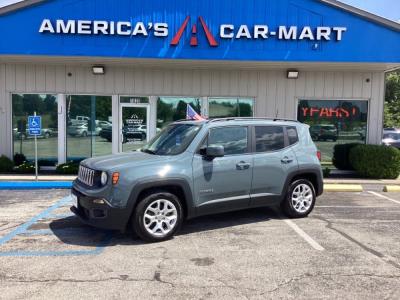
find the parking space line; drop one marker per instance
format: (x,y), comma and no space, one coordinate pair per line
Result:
(304,235)
(98,250)
(22,228)
(383,197)
(344,206)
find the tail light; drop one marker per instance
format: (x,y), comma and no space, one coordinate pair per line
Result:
(319,155)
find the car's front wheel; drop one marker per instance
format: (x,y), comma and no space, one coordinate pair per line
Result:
(300,199)
(157,217)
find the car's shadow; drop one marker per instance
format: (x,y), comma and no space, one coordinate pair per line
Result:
(71,231)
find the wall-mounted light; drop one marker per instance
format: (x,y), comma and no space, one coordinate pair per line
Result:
(292,74)
(98,70)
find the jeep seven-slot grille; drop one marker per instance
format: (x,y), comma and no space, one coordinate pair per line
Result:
(86,175)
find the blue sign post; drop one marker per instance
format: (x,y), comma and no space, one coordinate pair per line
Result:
(35,125)
(35,129)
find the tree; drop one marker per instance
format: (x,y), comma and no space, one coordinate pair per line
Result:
(392,100)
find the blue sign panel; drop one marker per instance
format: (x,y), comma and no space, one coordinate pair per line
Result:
(244,30)
(35,125)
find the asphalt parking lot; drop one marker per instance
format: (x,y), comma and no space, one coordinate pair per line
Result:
(349,248)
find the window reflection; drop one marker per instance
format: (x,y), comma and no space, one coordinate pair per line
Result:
(89,126)
(334,121)
(24,105)
(230,107)
(170,109)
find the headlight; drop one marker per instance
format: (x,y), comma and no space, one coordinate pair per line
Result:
(104,178)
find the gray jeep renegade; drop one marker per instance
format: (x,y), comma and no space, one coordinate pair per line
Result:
(195,168)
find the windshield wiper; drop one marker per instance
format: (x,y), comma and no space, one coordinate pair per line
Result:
(148,151)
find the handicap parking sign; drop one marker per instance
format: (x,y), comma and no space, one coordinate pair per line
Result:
(34,125)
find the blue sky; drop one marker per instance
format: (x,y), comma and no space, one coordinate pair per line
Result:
(386,8)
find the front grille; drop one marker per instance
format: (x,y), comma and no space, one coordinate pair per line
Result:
(86,175)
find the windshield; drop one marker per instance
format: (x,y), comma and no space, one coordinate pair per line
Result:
(172,140)
(392,135)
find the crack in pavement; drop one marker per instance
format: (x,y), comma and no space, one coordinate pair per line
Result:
(383,257)
(299,278)
(157,272)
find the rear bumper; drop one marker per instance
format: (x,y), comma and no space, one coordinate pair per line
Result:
(99,215)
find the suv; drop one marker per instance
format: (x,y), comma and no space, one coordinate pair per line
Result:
(194,168)
(391,137)
(324,132)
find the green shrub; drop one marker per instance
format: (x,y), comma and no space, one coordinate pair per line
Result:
(25,168)
(19,159)
(6,164)
(326,172)
(70,168)
(378,162)
(341,156)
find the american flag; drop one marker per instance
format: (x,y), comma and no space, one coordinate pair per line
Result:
(191,114)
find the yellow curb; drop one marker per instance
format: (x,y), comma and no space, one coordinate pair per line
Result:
(391,188)
(343,188)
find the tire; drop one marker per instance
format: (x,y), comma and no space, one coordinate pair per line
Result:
(84,134)
(289,206)
(156,229)
(47,135)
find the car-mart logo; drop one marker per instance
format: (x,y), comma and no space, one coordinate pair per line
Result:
(162,30)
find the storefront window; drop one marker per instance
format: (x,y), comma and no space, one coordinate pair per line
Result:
(230,107)
(89,127)
(25,105)
(170,109)
(333,122)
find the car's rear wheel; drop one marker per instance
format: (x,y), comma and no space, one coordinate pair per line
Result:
(157,217)
(300,199)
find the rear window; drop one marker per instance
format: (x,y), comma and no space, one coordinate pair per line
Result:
(269,138)
(292,135)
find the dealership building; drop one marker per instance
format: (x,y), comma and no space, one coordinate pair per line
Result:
(106,76)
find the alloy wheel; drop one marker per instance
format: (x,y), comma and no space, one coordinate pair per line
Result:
(302,198)
(160,217)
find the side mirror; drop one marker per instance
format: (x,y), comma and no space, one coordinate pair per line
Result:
(215,151)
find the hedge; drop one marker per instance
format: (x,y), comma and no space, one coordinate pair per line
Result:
(25,168)
(378,162)
(70,168)
(6,164)
(341,154)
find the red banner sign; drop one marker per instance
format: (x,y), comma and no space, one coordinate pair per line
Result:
(325,112)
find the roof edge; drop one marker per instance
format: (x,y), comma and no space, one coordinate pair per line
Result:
(19,5)
(354,10)
(363,13)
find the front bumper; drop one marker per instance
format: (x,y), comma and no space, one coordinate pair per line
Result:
(99,215)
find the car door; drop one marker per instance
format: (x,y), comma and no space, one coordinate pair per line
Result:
(274,159)
(223,184)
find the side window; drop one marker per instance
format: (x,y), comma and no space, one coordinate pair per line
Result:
(269,138)
(292,135)
(234,139)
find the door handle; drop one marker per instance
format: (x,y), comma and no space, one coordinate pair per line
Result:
(242,165)
(286,160)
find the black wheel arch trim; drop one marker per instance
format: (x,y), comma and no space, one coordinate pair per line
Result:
(314,171)
(159,184)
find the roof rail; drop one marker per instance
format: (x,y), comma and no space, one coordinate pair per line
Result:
(251,119)
(188,120)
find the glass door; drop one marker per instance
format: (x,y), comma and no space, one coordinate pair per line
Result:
(134,126)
